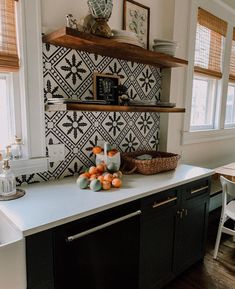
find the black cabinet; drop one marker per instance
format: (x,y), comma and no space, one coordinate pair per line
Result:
(191,226)
(158,222)
(173,232)
(39,260)
(99,252)
(140,245)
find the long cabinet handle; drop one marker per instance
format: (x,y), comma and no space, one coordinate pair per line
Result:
(156,205)
(199,190)
(100,227)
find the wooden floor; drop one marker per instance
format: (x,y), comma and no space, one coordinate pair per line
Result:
(211,274)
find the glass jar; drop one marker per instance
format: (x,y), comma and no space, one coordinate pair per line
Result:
(16,148)
(7,180)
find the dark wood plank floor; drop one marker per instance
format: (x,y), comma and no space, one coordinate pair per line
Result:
(211,274)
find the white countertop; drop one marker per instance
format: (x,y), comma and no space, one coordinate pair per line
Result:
(53,203)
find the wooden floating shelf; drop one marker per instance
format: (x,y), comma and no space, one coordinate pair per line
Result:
(119,108)
(71,38)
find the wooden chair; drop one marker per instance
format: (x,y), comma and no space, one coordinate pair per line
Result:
(228,211)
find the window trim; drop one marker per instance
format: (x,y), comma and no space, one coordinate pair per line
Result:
(230,125)
(207,135)
(212,89)
(7,77)
(29,83)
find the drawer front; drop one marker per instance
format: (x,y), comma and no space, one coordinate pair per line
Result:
(160,201)
(197,188)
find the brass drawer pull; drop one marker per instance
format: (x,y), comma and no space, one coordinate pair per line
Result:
(180,212)
(156,205)
(199,190)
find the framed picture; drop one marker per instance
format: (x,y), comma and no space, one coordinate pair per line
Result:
(136,18)
(106,87)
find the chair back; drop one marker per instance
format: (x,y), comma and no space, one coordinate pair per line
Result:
(228,186)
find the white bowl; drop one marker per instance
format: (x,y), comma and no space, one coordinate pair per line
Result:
(156,41)
(167,50)
(124,33)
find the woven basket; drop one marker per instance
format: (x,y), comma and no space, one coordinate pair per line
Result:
(160,162)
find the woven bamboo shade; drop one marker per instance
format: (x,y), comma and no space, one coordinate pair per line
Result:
(232,60)
(211,31)
(9,60)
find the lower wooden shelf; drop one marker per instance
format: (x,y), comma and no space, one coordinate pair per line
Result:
(119,108)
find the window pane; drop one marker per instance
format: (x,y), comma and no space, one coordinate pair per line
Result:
(230,106)
(4,114)
(203,103)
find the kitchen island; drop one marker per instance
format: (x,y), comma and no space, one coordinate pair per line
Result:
(146,213)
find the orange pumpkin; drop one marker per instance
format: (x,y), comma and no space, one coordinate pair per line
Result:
(97,150)
(85,175)
(93,170)
(108,177)
(106,185)
(100,168)
(116,183)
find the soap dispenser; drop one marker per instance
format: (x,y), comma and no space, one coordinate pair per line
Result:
(7,180)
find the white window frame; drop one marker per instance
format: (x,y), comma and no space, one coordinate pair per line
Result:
(28,89)
(231,125)
(8,77)
(222,11)
(212,90)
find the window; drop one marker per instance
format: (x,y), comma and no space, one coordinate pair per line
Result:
(5,111)
(203,103)
(230,104)
(9,63)
(209,46)
(22,98)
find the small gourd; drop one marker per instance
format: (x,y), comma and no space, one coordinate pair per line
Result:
(83,182)
(95,185)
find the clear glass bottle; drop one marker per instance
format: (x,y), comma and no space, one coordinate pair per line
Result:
(8,154)
(7,180)
(16,148)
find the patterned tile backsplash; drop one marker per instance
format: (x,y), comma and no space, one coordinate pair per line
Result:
(69,73)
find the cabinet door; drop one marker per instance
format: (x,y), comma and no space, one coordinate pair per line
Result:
(157,239)
(102,259)
(191,226)
(39,260)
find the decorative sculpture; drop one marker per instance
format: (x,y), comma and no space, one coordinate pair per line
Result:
(101,11)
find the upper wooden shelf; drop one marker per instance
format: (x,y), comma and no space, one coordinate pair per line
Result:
(72,38)
(96,107)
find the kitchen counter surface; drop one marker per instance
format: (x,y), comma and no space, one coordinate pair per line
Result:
(54,203)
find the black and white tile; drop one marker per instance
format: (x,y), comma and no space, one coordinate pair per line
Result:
(69,73)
